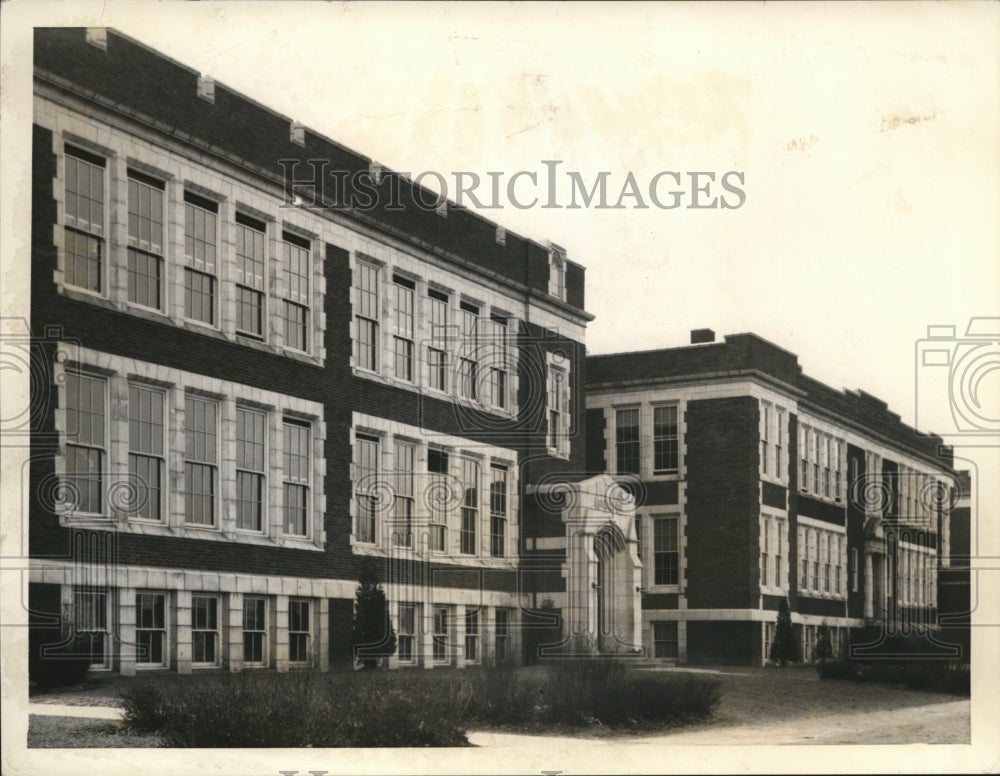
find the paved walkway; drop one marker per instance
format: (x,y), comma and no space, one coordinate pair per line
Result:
(65,710)
(938,723)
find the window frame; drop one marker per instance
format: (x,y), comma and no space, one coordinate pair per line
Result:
(100,450)
(406,633)
(104,606)
(246,289)
(291,482)
(99,236)
(294,247)
(621,443)
(194,204)
(470,508)
(668,439)
(300,638)
(471,640)
(437,349)
(254,475)
(135,389)
(437,538)
(364,473)
(216,631)
(262,630)
(404,327)
(672,637)
(163,630)
(672,535)
(212,466)
(404,456)
(134,243)
(499,502)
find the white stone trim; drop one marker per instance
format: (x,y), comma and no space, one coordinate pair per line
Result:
(117,371)
(458,448)
(178,170)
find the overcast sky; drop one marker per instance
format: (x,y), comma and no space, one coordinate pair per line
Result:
(865,138)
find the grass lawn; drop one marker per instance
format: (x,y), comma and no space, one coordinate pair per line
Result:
(750,696)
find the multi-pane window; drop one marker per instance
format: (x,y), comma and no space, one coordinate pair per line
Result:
(468,362)
(627,441)
(854,569)
(295,305)
(765,530)
(403,324)
(406,633)
(804,558)
(251,275)
(557,275)
(827,450)
(498,511)
(437,352)
(779,579)
(145,449)
(804,460)
(502,635)
(765,436)
(298,631)
(295,469)
(84,220)
(145,241)
(366,461)
(205,630)
(440,638)
(496,383)
(86,440)
(827,540)
(818,439)
(90,622)
(664,439)
(366,316)
(200,460)
(250,490)
(838,589)
(470,506)
(200,245)
(254,630)
(558,417)
(402,531)
(665,639)
(814,556)
(779,436)
(472,635)
(838,452)
(665,553)
(437,466)
(150,629)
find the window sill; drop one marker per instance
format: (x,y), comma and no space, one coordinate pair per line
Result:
(467,404)
(185,324)
(146,528)
(477,561)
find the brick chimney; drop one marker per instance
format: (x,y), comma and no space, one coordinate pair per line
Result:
(701,336)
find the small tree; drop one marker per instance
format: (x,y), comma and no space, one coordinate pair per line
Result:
(374,636)
(784,647)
